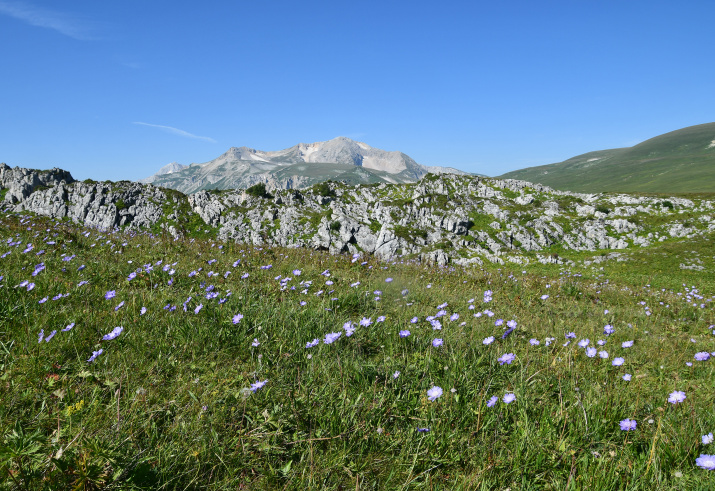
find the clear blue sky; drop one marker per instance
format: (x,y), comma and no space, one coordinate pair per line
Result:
(95,87)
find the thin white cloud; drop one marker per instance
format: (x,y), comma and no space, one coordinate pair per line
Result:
(176,131)
(50,19)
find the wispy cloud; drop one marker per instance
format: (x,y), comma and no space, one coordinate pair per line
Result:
(35,16)
(176,131)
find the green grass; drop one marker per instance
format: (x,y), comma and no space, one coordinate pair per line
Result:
(167,405)
(677,162)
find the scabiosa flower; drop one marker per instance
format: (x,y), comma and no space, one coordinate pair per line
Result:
(396,374)
(237,318)
(600,342)
(591,352)
(388,280)
(508,398)
(365,322)
(244,276)
(488,340)
(332,337)
(121,304)
(423,430)
(677,397)
(42,335)
(571,335)
(498,322)
(258,385)
(43,300)
(493,400)
(617,362)
(507,358)
(706,462)
(198,308)
(584,342)
(434,393)
(511,324)
(454,317)
(702,356)
(142,311)
(437,342)
(436,325)
(708,439)
(69,327)
(113,334)
(404,333)
(627,377)
(50,336)
(507,332)
(110,294)
(255,342)
(95,354)
(380,319)
(131,276)
(534,342)
(627,344)
(313,343)
(414,320)
(628,424)
(608,330)
(603,354)
(544,297)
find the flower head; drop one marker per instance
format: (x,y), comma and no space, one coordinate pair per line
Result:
(237,318)
(437,342)
(627,377)
(628,424)
(617,362)
(706,462)
(702,356)
(488,340)
(434,393)
(508,398)
(404,333)
(676,397)
(492,400)
(627,344)
(258,385)
(708,439)
(331,337)
(507,358)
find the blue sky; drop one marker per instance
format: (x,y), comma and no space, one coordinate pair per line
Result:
(115,90)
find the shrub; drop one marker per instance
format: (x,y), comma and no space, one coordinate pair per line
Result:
(120,205)
(603,209)
(667,204)
(335,226)
(323,189)
(258,190)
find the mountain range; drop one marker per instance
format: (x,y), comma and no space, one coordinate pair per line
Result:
(302,165)
(680,161)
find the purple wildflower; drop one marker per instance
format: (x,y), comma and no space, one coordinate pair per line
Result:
(617,362)
(437,342)
(488,340)
(627,344)
(706,462)
(69,327)
(110,294)
(95,354)
(404,333)
(332,337)
(676,397)
(628,424)
(237,318)
(113,334)
(42,335)
(313,343)
(702,356)
(627,377)
(434,393)
(258,385)
(493,400)
(591,352)
(506,358)
(508,398)
(50,336)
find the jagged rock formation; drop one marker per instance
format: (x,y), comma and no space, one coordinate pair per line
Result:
(441,218)
(305,164)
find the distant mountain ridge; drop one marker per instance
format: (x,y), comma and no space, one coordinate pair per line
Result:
(339,159)
(678,161)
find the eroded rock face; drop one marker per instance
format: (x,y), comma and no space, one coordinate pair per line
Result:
(439,219)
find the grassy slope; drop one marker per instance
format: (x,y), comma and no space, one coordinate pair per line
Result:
(678,161)
(165,404)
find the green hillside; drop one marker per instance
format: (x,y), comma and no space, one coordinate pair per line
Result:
(681,161)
